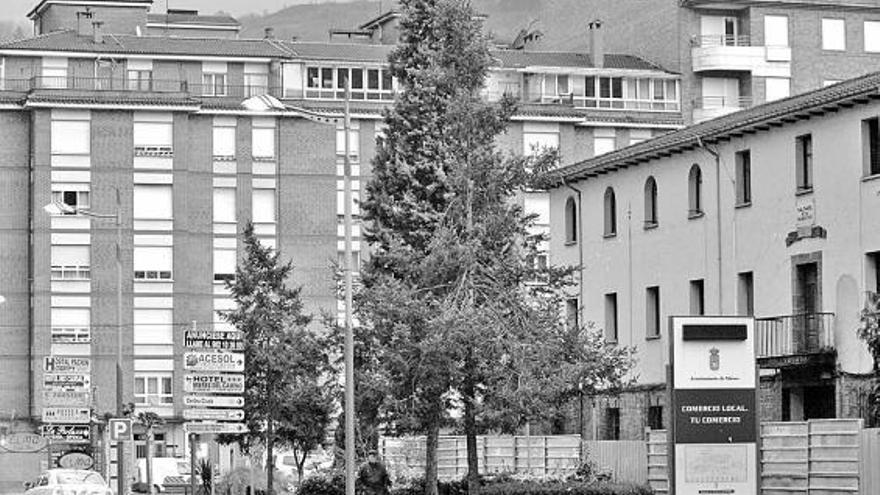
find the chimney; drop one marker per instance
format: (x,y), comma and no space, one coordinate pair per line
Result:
(83,23)
(98,32)
(269,33)
(597,44)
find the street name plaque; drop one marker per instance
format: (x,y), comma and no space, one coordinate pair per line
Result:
(714,404)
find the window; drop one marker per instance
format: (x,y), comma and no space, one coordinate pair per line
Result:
(572,317)
(263,138)
(650,203)
(610,213)
(636,136)
(652,310)
(70,262)
(225,261)
(776,88)
(872,279)
(263,205)
(655,417)
(538,137)
(745,301)
(366,83)
(224,205)
(612,423)
(214,78)
(139,74)
(833,34)
(871,146)
(153,389)
(70,325)
(775,30)
(340,198)
(153,328)
(153,263)
(872,36)
(571,221)
(606,92)
(54,73)
(256,79)
(153,134)
(354,133)
(70,134)
(695,192)
(743,177)
(698,297)
(224,139)
(152,202)
(611,317)
(604,141)
(804,162)
(75,199)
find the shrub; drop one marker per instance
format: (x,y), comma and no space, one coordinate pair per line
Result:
(329,483)
(564,488)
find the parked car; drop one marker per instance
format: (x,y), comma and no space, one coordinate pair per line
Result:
(68,482)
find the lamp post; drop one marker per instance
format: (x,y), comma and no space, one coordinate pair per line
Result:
(59,208)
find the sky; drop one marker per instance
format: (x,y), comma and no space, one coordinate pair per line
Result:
(16,10)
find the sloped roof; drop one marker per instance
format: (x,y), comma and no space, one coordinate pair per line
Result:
(43,3)
(338,51)
(755,119)
(193,19)
(527,58)
(69,41)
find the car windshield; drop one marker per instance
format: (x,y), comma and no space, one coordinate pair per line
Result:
(74,477)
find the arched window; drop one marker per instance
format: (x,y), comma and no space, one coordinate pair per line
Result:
(571,221)
(695,191)
(650,202)
(610,213)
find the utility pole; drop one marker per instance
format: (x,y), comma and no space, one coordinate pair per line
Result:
(349,331)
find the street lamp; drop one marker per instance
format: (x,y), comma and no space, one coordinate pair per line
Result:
(60,208)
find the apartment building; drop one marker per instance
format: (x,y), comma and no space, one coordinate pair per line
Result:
(772,212)
(183,139)
(738,53)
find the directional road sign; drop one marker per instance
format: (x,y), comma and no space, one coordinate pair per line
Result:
(72,415)
(214,361)
(66,398)
(213,384)
(214,339)
(78,382)
(213,401)
(67,433)
(65,364)
(214,414)
(205,428)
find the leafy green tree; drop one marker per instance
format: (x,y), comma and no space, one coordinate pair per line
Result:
(869,331)
(286,361)
(450,292)
(150,421)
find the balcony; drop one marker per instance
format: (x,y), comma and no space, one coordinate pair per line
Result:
(736,53)
(710,107)
(115,87)
(795,340)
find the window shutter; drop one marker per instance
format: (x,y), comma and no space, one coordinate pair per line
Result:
(264,206)
(225,261)
(71,137)
(153,326)
(153,202)
(70,255)
(224,204)
(153,258)
(224,141)
(71,317)
(263,142)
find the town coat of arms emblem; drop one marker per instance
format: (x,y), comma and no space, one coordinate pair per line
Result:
(714,359)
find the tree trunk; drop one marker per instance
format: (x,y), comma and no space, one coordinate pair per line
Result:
(431,443)
(270,458)
(150,460)
(470,432)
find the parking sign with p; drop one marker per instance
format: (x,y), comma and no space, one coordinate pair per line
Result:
(120,430)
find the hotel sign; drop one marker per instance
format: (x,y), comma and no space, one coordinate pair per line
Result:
(214,384)
(63,364)
(71,415)
(714,430)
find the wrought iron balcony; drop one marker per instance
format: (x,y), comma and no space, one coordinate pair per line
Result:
(798,335)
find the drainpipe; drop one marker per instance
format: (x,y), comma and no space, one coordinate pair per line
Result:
(580,297)
(717,157)
(30,269)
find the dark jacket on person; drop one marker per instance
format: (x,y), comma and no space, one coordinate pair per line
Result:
(373,478)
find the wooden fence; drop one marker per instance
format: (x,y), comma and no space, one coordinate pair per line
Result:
(540,456)
(871,461)
(625,460)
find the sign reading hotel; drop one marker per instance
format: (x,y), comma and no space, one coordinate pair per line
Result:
(714,430)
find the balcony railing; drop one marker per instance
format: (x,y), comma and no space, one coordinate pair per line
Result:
(794,335)
(109,84)
(722,40)
(723,102)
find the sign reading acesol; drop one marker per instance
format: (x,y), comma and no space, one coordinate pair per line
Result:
(214,361)
(714,431)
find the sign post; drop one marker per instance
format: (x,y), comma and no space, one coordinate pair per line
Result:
(714,428)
